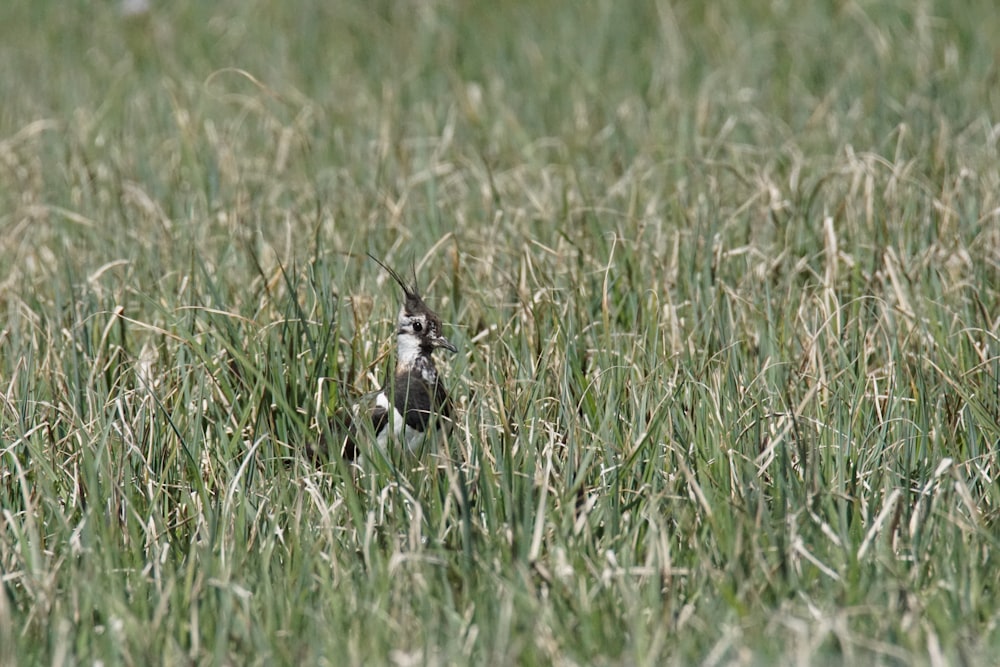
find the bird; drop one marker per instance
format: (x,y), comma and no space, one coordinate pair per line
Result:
(414,399)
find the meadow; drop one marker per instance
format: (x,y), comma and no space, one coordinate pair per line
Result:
(724,278)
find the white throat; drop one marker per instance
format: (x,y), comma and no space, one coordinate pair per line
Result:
(407,349)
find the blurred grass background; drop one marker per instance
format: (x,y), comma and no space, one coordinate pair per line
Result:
(724,275)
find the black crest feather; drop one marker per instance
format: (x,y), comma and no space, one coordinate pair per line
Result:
(413,302)
(411,291)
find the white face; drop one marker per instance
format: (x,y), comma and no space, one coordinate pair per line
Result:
(419,331)
(410,335)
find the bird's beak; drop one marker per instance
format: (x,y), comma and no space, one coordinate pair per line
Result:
(441,341)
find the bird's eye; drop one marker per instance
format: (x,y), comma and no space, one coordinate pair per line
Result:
(418,327)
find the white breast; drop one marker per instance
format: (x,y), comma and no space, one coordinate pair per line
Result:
(397,425)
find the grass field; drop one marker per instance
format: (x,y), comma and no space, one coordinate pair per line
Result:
(725,280)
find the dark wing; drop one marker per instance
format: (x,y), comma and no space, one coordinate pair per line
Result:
(413,399)
(418,400)
(380,417)
(442,400)
(341,435)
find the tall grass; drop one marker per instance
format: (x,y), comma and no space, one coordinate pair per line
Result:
(724,278)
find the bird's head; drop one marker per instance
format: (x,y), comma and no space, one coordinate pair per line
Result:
(418,327)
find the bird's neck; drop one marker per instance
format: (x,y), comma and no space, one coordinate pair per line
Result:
(408,350)
(412,358)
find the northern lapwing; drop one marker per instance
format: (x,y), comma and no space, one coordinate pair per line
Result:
(414,399)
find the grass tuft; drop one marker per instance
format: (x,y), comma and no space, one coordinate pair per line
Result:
(724,278)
